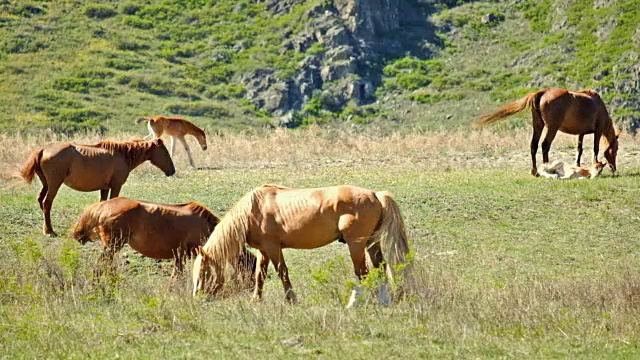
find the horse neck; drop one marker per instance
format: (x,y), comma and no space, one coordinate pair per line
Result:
(609,130)
(134,153)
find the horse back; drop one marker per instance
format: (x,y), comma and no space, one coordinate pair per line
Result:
(309,218)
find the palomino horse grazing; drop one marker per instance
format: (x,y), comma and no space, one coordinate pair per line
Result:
(158,231)
(270,218)
(572,112)
(104,166)
(176,128)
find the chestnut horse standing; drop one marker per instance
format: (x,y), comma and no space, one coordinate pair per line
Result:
(104,166)
(158,231)
(271,218)
(572,112)
(176,128)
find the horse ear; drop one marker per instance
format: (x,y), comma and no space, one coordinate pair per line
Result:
(158,141)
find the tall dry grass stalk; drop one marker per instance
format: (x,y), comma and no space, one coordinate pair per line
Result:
(312,147)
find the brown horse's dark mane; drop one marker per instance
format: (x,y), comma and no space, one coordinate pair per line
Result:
(203,212)
(134,151)
(610,133)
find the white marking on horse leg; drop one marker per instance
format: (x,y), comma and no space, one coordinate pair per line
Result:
(356,297)
(384,296)
(173,148)
(151,132)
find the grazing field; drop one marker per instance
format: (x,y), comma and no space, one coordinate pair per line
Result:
(506,265)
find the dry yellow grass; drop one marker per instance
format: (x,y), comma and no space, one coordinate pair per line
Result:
(316,147)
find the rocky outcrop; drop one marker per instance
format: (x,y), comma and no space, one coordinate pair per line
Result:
(354,35)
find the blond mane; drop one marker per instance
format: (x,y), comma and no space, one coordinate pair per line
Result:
(230,235)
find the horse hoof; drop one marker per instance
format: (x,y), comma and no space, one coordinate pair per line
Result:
(291,297)
(51,234)
(255,299)
(534,172)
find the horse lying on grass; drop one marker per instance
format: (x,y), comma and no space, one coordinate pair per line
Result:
(103,166)
(270,218)
(572,112)
(158,231)
(176,128)
(560,170)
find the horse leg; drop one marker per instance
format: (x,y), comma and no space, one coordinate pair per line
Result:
(173,147)
(186,147)
(538,126)
(274,253)
(546,143)
(43,192)
(52,191)
(178,265)
(375,256)
(115,191)
(151,132)
(105,261)
(579,149)
(104,194)
(596,145)
(260,274)
(357,253)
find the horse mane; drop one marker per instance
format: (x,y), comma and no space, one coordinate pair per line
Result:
(82,230)
(133,151)
(203,212)
(226,243)
(609,131)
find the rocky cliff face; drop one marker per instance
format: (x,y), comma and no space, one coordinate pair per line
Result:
(354,36)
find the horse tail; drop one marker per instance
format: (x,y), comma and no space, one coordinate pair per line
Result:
(82,230)
(226,245)
(32,166)
(392,235)
(530,100)
(142,119)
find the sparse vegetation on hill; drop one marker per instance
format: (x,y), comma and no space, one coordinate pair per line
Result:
(72,66)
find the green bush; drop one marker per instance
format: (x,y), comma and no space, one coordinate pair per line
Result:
(99,11)
(431,98)
(225,91)
(130,8)
(197,109)
(22,44)
(136,22)
(76,84)
(124,64)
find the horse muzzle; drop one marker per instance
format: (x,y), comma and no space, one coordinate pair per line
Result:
(170,172)
(204,147)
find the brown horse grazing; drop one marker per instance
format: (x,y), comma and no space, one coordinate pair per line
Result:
(176,128)
(158,231)
(270,218)
(572,112)
(104,166)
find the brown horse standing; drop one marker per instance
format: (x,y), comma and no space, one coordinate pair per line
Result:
(572,112)
(271,218)
(104,166)
(158,231)
(176,128)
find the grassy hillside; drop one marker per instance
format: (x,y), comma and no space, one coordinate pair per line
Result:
(71,65)
(506,265)
(521,48)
